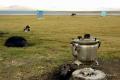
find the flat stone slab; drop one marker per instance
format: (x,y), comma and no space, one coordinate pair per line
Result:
(88,74)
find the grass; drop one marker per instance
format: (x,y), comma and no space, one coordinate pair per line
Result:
(49,42)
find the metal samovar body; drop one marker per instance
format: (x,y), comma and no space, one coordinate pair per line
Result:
(85,49)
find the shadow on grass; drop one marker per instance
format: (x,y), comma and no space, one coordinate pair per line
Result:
(3,33)
(52,40)
(31,44)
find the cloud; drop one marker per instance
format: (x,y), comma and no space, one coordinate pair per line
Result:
(73,5)
(15,7)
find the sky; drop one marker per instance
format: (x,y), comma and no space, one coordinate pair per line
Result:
(64,5)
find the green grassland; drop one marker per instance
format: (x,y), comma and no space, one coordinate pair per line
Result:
(49,42)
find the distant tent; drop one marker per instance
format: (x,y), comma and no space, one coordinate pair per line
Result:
(40,14)
(103,13)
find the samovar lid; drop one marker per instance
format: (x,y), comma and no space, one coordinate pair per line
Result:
(87,40)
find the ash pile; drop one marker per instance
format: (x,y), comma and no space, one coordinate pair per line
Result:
(84,51)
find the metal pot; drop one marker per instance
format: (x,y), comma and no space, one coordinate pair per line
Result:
(85,49)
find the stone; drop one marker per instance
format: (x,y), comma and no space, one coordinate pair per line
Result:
(88,74)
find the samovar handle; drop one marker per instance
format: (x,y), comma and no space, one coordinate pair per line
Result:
(74,49)
(99,44)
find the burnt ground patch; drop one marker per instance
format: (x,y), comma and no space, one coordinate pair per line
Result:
(110,67)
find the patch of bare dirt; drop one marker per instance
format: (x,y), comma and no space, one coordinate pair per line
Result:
(110,67)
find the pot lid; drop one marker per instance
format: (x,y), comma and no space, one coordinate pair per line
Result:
(86,41)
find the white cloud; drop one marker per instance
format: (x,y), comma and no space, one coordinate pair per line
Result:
(64,4)
(15,7)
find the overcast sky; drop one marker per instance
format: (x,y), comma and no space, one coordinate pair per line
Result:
(73,5)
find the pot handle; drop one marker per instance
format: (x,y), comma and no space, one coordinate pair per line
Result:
(74,50)
(99,44)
